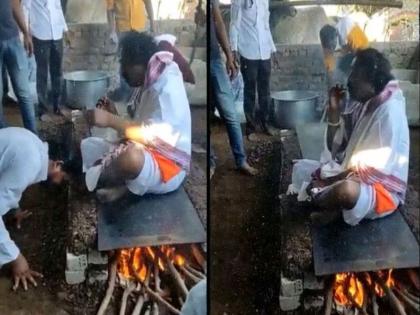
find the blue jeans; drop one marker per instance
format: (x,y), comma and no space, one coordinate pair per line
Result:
(225,104)
(14,58)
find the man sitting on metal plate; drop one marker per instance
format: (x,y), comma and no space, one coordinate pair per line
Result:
(364,167)
(154,155)
(24,161)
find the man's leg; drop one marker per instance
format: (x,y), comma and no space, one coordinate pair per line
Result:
(249,70)
(42,57)
(340,195)
(263,85)
(5,82)
(56,71)
(2,67)
(226,106)
(17,67)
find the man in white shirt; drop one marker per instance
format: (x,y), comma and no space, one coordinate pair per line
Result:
(47,26)
(24,161)
(250,36)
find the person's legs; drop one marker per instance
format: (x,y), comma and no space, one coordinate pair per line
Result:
(226,106)
(249,70)
(56,71)
(42,57)
(17,66)
(263,86)
(5,82)
(2,67)
(340,195)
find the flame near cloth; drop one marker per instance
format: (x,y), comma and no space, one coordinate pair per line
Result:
(145,134)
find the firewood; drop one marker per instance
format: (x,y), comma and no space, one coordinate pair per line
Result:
(156,275)
(415,306)
(200,259)
(350,297)
(174,273)
(375,306)
(111,285)
(189,275)
(127,291)
(139,304)
(329,298)
(155,309)
(195,272)
(395,303)
(414,277)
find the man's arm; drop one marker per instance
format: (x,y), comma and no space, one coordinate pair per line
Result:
(223,40)
(20,21)
(110,14)
(235,19)
(8,248)
(149,10)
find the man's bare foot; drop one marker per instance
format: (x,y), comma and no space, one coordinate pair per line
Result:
(248,169)
(106,195)
(253,137)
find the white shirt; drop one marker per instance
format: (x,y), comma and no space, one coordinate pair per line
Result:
(250,29)
(23,162)
(46,19)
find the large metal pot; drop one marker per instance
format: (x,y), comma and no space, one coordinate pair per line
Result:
(84,88)
(290,108)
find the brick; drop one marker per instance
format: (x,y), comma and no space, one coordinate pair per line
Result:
(75,277)
(76,262)
(97,258)
(289,303)
(291,288)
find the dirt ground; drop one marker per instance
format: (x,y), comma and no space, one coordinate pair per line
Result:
(244,229)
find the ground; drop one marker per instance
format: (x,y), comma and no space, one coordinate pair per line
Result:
(245,230)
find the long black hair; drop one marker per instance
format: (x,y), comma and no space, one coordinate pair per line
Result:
(376,66)
(137,48)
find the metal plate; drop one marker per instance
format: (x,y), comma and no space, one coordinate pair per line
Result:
(311,139)
(372,245)
(148,221)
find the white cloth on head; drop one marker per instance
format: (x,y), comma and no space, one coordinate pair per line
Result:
(23,162)
(164,110)
(46,19)
(344,27)
(249,32)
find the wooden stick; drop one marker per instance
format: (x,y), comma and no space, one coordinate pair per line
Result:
(414,277)
(189,275)
(155,309)
(160,300)
(111,285)
(395,303)
(200,259)
(375,306)
(415,306)
(127,291)
(329,299)
(195,271)
(156,274)
(174,273)
(139,304)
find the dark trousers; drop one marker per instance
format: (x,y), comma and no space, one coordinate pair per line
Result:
(256,75)
(49,58)
(5,81)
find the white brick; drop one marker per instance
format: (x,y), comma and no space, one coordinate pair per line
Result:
(75,277)
(97,276)
(97,258)
(291,288)
(289,303)
(76,263)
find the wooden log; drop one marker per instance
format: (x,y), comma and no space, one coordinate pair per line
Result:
(127,291)
(174,273)
(195,271)
(329,298)
(156,297)
(155,309)
(189,275)
(111,285)
(395,303)
(199,257)
(139,304)
(415,306)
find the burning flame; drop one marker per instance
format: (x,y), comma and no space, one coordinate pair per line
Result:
(135,263)
(146,133)
(349,290)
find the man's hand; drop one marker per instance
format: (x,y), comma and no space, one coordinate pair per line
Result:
(20,216)
(106,104)
(275,61)
(231,68)
(66,39)
(27,43)
(336,95)
(22,273)
(98,117)
(236,57)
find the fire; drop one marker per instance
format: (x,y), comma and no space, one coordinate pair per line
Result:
(349,290)
(134,263)
(146,133)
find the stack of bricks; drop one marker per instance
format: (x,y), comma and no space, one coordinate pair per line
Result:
(90,48)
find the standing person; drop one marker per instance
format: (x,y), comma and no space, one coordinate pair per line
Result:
(252,43)
(125,16)
(222,89)
(12,55)
(47,26)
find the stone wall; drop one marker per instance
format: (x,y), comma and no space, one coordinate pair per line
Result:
(302,66)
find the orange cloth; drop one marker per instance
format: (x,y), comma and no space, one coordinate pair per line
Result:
(129,14)
(168,168)
(384,201)
(357,39)
(329,62)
